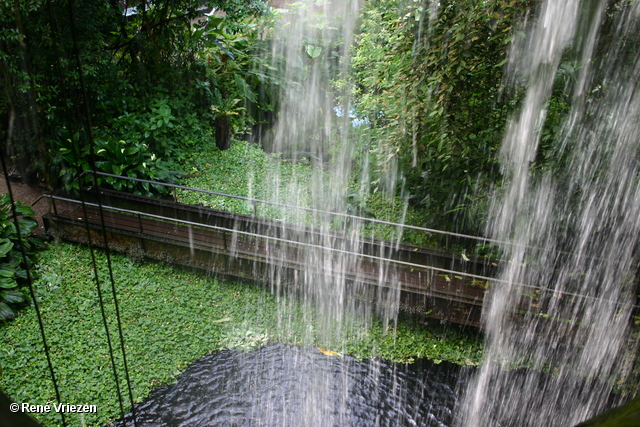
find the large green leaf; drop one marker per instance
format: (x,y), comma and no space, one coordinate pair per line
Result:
(24,210)
(6,312)
(132,150)
(243,87)
(27,225)
(12,296)
(7,282)
(8,229)
(5,247)
(314,51)
(7,270)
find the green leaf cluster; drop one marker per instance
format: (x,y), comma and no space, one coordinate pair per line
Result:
(165,77)
(13,273)
(131,158)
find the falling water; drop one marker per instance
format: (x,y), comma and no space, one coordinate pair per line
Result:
(575,228)
(310,49)
(309,40)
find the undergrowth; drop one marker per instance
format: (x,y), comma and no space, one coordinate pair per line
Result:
(170,318)
(245,170)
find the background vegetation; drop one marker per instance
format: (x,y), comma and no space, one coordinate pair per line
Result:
(165,94)
(428,80)
(129,93)
(140,93)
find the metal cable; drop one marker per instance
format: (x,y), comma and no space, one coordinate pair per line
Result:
(76,153)
(96,275)
(338,214)
(302,208)
(25,259)
(14,213)
(93,163)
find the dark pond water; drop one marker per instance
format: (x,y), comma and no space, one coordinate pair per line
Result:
(289,386)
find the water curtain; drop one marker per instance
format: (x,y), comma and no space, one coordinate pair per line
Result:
(576,224)
(311,48)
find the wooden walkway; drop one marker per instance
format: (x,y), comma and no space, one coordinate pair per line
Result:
(434,283)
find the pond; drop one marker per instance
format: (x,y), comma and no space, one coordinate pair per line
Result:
(292,386)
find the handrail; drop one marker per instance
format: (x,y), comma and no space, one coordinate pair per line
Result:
(42,196)
(339,214)
(342,251)
(277,239)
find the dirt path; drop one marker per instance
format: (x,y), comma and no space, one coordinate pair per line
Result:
(25,194)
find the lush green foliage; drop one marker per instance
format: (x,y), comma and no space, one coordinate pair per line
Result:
(170,318)
(429,86)
(13,274)
(427,80)
(159,83)
(246,170)
(118,157)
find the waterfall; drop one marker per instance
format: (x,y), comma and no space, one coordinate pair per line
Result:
(574,227)
(310,50)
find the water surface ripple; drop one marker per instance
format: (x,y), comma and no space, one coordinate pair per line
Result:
(281,385)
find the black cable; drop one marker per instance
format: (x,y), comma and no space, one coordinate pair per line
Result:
(15,216)
(67,91)
(104,315)
(104,230)
(25,259)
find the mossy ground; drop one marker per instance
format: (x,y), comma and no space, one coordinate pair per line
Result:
(170,317)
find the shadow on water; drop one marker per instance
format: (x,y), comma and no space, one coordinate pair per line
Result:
(266,387)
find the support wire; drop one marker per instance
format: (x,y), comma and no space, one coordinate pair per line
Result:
(104,231)
(27,268)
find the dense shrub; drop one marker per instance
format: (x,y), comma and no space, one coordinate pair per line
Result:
(428,83)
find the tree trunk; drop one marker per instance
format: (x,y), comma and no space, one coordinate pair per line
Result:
(223,132)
